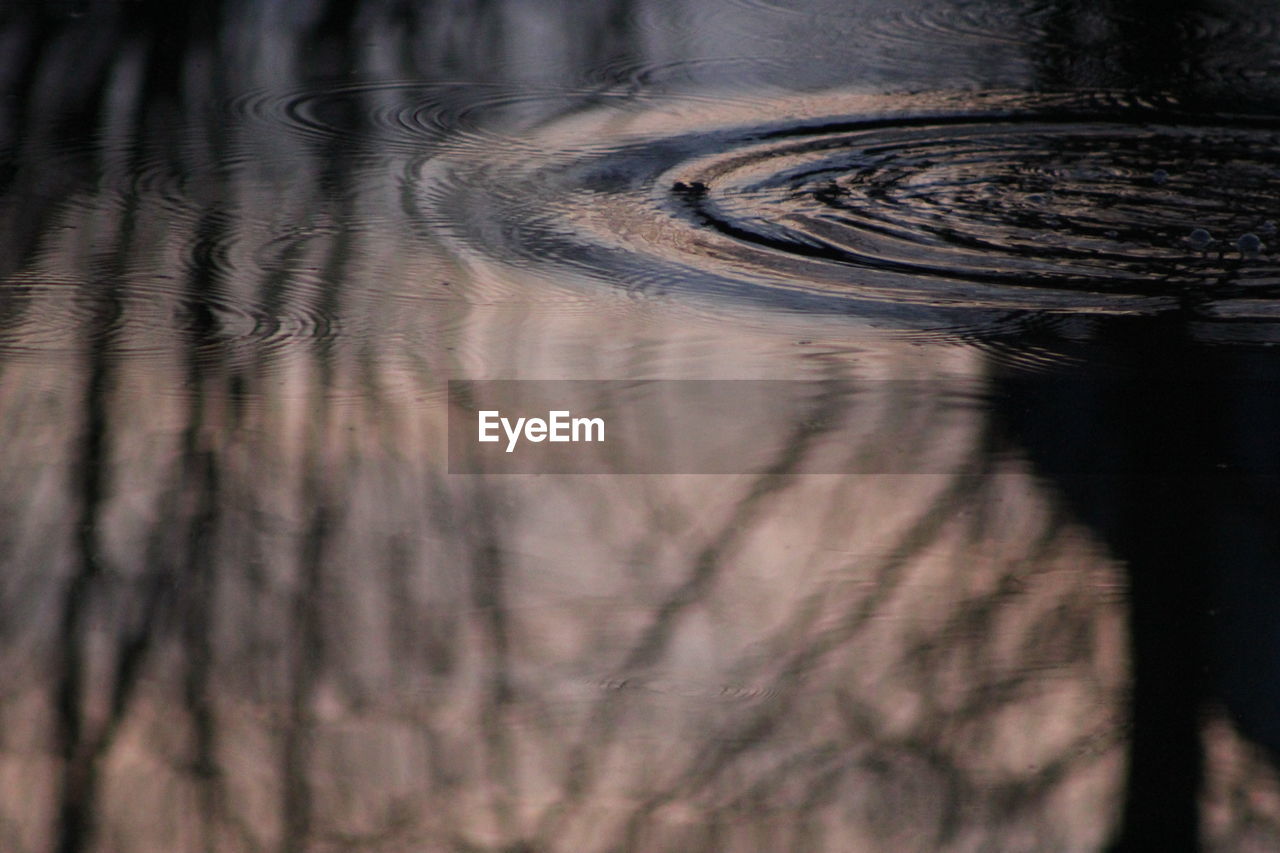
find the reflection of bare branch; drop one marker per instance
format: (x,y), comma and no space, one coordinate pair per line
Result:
(197,639)
(488,596)
(443,718)
(353,650)
(308,652)
(709,763)
(83,744)
(654,639)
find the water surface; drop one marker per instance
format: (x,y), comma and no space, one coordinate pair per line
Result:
(1013,587)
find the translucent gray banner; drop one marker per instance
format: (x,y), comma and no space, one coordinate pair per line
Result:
(711,426)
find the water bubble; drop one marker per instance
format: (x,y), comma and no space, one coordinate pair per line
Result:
(1249,244)
(1268,227)
(1200,239)
(1159,176)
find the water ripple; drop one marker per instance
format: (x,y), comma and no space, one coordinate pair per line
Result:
(915,209)
(412,118)
(154,318)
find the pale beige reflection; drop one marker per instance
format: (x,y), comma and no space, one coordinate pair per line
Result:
(272,620)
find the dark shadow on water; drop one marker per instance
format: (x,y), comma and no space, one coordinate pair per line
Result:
(1164,443)
(1165,446)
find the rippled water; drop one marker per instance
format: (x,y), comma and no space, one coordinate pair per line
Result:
(1015,265)
(921,209)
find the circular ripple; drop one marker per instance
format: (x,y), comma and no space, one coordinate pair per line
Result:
(48,319)
(384,119)
(1070,204)
(388,115)
(901,207)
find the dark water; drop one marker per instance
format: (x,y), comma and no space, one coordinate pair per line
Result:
(248,600)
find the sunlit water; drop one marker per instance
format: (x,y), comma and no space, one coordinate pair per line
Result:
(246,605)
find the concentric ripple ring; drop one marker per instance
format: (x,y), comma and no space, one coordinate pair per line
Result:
(903,207)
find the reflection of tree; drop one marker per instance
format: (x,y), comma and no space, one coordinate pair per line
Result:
(1179,481)
(320,639)
(83,740)
(448,712)
(275,623)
